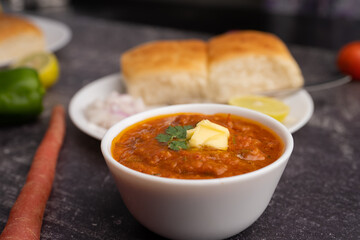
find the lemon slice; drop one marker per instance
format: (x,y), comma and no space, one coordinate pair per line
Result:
(269,106)
(46,65)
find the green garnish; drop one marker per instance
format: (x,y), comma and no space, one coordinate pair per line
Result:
(175,137)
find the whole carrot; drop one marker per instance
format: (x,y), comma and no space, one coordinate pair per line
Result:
(25,218)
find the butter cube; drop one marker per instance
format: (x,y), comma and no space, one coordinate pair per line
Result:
(208,134)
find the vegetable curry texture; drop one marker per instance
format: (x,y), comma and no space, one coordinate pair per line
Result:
(251,146)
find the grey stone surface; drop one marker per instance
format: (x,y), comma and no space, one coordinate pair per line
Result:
(318,196)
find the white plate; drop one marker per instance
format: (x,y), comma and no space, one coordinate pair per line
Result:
(57,34)
(301,109)
(300,103)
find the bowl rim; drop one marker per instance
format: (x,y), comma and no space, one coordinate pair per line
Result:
(126,122)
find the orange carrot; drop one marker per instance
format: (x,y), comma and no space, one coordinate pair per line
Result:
(25,218)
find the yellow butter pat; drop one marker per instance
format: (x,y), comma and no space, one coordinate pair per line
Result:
(208,134)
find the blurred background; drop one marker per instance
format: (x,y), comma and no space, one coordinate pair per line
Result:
(318,196)
(320,23)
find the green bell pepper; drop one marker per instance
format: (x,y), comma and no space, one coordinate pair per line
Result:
(21,94)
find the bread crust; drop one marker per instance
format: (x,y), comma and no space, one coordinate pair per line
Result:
(11,26)
(164,56)
(18,37)
(183,71)
(237,43)
(250,62)
(166,72)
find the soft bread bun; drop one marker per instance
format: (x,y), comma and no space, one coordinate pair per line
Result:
(245,62)
(18,37)
(166,72)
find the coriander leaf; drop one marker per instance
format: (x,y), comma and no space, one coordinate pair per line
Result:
(163,137)
(175,137)
(171,130)
(188,127)
(178,145)
(181,132)
(176,131)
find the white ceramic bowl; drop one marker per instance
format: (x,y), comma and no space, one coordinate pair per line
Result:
(197,209)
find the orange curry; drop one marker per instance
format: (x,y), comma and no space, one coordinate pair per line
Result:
(251,146)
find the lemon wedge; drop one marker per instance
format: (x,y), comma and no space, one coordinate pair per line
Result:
(267,105)
(46,65)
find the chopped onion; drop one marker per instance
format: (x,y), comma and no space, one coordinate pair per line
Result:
(115,107)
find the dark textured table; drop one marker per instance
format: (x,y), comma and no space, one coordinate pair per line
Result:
(318,196)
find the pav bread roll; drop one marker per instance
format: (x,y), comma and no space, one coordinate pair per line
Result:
(18,37)
(166,72)
(246,62)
